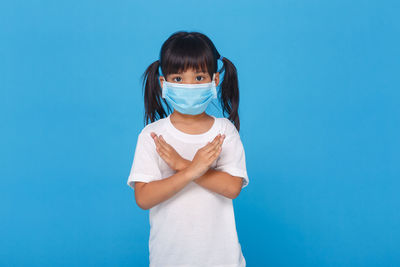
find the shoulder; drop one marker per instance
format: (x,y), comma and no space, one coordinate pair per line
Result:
(156,127)
(229,129)
(228,126)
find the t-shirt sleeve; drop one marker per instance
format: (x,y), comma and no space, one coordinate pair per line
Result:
(145,166)
(232,158)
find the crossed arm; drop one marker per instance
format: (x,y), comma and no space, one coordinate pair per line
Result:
(218,181)
(150,194)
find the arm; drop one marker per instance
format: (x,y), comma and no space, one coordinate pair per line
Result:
(217,181)
(148,195)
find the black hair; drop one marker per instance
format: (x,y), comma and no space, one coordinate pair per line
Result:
(185,50)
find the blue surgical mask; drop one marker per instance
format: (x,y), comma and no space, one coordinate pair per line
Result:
(189,99)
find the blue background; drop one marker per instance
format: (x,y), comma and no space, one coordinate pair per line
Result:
(319,109)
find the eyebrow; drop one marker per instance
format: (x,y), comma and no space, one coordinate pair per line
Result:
(179,73)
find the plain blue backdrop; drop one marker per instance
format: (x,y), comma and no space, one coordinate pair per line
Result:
(319,109)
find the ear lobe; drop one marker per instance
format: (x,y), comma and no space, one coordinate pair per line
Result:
(161,79)
(216,78)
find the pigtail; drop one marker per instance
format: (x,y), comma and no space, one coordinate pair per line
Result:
(230,92)
(154,109)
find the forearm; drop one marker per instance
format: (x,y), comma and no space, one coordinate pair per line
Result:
(155,192)
(217,181)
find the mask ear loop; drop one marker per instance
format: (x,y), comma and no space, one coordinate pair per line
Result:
(159,70)
(163,88)
(214,87)
(220,68)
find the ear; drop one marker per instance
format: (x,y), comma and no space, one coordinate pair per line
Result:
(216,78)
(161,78)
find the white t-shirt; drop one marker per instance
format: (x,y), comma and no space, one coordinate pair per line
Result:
(196,226)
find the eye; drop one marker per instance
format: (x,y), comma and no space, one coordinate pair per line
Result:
(199,78)
(177,79)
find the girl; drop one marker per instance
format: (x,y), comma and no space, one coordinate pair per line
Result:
(188,165)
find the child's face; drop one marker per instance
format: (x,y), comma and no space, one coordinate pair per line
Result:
(190,76)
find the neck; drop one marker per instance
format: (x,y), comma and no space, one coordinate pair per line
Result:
(188,118)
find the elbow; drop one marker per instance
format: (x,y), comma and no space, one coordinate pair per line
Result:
(236,189)
(141,205)
(139,201)
(234,194)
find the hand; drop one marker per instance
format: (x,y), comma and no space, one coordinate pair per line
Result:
(205,156)
(168,153)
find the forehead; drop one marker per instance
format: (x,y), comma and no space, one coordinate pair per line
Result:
(190,72)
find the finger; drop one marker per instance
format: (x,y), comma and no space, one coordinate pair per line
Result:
(159,141)
(218,146)
(214,144)
(216,150)
(215,139)
(222,139)
(159,145)
(161,152)
(164,144)
(216,154)
(153,135)
(162,148)
(158,151)
(156,141)
(211,145)
(220,142)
